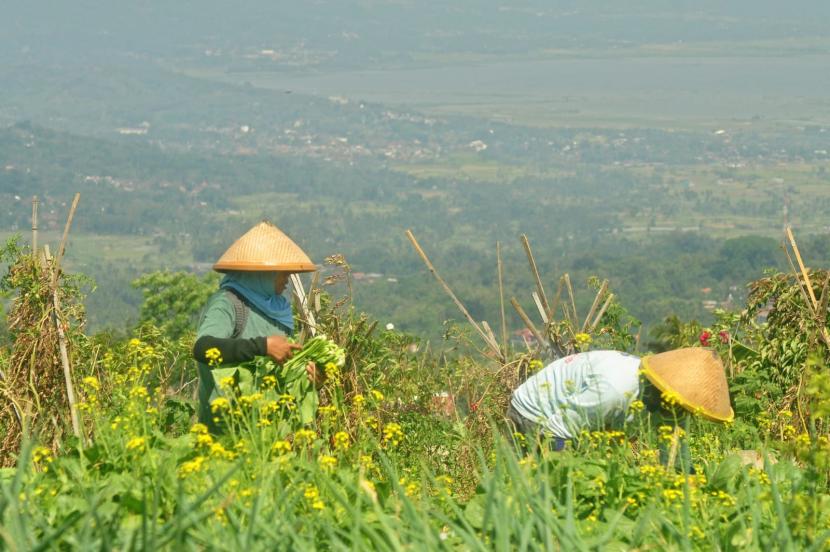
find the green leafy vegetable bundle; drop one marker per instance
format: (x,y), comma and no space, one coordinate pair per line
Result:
(289,378)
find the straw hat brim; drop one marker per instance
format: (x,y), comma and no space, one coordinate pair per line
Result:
(682,400)
(258,267)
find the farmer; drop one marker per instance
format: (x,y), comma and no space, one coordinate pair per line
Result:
(249,316)
(595,390)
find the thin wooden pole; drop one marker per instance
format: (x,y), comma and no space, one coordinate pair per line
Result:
(448,290)
(501,298)
(526,319)
(67,369)
(802,267)
(602,311)
(302,300)
(556,299)
(62,249)
(539,288)
(62,341)
(540,307)
(594,306)
(35,203)
(572,315)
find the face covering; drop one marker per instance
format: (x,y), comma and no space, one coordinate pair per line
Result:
(258,289)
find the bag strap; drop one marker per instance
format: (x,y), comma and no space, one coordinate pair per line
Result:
(240,311)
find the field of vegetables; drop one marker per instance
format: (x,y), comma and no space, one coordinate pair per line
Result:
(407,450)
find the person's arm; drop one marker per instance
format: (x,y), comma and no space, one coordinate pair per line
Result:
(215,332)
(231,351)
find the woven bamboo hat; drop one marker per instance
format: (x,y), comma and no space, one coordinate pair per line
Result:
(265,248)
(694,378)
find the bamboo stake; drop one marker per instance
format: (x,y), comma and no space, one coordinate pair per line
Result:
(501,298)
(675,442)
(573,319)
(67,370)
(532,261)
(594,306)
(602,311)
(556,299)
(62,248)
(802,267)
(798,281)
(526,319)
(35,203)
(302,300)
(489,331)
(540,307)
(448,290)
(62,341)
(809,296)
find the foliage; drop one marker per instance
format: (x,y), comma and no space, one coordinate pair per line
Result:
(172,299)
(33,388)
(363,475)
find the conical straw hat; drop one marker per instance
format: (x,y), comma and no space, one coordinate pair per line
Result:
(694,378)
(265,248)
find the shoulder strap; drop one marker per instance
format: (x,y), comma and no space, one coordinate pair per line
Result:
(240,311)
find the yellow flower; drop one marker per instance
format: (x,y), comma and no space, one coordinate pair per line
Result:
(341,440)
(227,382)
(332,373)
(281,447)
(192,466)
(582,340)
(304,437)
(392,434)
(358,400)
(670,398)
(135,343)
(672,495)
(218,451)
(803,440)
(204,440)
(327,410)
(136,443)
(219,404)
(214,356)
(91,382)
(249,400)
(139,392)
(535,364)
(667,432)
(410,488)
(41,454)
(199,429)
(328,463)
(366,462)
(725,499)
(636,406)
(287,401)
(377,395)
(312,496)
(269,382)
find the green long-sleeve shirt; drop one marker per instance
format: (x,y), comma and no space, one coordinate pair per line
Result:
(218,321)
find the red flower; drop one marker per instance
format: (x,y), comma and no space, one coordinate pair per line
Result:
(724,336)
(474,406)
(704,338)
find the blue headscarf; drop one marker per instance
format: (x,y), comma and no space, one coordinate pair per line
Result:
(258,289)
